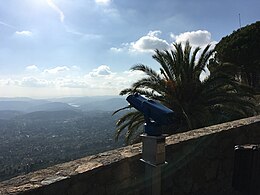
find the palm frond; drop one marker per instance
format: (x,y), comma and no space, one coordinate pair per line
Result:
(146,69)
(120,109)
(219,98)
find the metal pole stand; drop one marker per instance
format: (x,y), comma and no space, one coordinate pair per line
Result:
(153,155)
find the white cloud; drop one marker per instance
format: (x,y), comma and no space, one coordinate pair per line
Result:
(124,47)
(196,38)
(24,33)
(56,70)
(6,82)
(147,43)
(56,9)
(113,83)
(33,82)
(151,41)
(102,70)
(103,2)
(117,50)
(32,68)
(173,36)
(71,83)
(104,82)
(154,33)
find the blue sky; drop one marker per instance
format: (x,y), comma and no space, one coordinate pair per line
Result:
(56,48)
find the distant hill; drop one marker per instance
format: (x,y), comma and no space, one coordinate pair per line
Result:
(9,114)
(105,105)
(51,115)
(23,99)
(19,105)
(52,106)
(15,105)
(27,105)
(81,101)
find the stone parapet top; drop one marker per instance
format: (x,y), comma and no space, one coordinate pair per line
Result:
(193,134)
(66,170)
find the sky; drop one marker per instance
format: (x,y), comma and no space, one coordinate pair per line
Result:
(59,48)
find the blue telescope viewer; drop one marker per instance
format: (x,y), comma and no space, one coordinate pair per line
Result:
(155,114)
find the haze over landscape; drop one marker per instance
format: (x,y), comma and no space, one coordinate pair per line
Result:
(57,48)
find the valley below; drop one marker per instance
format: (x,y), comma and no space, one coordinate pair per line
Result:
(35,134)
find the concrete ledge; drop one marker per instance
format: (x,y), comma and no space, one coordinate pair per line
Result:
(120,171)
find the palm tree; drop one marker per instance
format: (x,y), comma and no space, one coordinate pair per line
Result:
(196,103)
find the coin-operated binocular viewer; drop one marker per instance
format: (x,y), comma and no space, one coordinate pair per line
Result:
(156,116)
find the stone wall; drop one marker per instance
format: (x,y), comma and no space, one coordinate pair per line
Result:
(199,162)
(204,164)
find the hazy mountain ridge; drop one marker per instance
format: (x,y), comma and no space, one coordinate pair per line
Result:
(9,114)
(20,104)
(82,100)
(52,106)
(103,103)
(50,115)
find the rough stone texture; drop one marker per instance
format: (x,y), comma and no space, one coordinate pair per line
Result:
(97,174)
(199,162)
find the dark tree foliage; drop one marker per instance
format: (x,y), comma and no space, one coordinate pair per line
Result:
(242,48)
(196,103)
